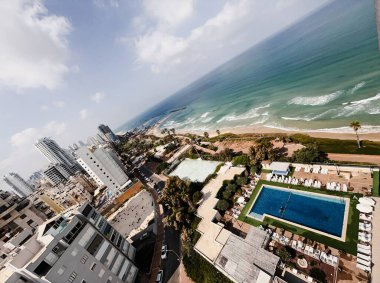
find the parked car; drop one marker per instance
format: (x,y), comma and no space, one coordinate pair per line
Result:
(160,276)
(144,236)
(164,251)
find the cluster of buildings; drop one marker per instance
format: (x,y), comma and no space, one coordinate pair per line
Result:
(49,232)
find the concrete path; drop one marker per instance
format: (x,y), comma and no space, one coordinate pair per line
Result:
(373,159)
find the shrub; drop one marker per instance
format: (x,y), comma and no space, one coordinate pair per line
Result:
(284,254)
(227,194)
(162,167)
(222,205)
(231,187)
(241,160)
(197,196)
(242,180)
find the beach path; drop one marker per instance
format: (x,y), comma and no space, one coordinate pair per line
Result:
(373,159)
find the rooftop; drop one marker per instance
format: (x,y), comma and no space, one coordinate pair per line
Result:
(196,170)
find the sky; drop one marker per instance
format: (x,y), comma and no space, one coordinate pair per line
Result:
(67,66)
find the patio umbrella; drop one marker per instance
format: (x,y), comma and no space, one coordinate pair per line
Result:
(240,200)
(367,201)
(364,208)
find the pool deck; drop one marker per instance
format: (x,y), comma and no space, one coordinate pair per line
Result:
(345,219)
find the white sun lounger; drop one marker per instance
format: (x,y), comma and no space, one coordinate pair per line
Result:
(362,216)
(365,247)
(364,262)
(363,267)
(363,256)
(364,251)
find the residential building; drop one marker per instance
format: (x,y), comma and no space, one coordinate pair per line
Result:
(56,155)
(16,215)
(103,165)
(76,246)
(108,134)
(17,184)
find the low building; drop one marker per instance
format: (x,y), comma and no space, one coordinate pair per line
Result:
(78,245)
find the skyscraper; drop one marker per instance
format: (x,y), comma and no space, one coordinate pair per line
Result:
(17,184)
(103,166)
(55,154)
(108,134)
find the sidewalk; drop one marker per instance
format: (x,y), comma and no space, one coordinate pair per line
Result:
(180,276)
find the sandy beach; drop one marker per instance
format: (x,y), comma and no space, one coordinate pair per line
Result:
(264,130)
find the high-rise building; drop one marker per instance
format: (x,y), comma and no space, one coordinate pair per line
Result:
(17,184)
(57,173)
(108,134)
(103,166)
(77,246)
(55,154)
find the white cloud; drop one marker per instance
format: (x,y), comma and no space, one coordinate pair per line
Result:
(98,97)
(59,104)
(169,13)
(106,3)
(33,45)
(237,26)
(83,114)
(44,107)
(23,156)
(30,135)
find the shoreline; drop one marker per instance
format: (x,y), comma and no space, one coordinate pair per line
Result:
(155,130)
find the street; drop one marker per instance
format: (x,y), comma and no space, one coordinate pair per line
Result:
(171,263)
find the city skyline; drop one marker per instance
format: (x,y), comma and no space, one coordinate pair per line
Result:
(61,99)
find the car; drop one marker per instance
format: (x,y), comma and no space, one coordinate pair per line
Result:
(164,251)
(160,276)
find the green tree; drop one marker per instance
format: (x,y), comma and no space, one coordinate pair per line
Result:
(241,160)
(309,154)
(206,135)
(222,205)
(284,254)
(197,196)
(227,194)
(162,167)
(218,132)
(355,125)
(227,154)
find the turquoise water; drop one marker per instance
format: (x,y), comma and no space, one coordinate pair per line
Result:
(320,213)
(319,74)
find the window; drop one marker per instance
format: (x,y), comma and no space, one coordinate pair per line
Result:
(23,216)
(84,259)
(7,216)
(72,277)
(42,269)
(30,221)
(69,238)
(95,244)
(93,266)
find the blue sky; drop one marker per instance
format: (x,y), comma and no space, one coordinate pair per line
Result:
(69,65)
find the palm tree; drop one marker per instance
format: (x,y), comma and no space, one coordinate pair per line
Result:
(173,131)
(218,132)
(206,135)
(355,125)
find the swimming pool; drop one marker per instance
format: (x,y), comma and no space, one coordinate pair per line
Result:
(322,213)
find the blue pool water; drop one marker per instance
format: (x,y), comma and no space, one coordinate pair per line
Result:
(320,213)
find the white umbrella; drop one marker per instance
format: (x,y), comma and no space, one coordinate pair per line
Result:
(367,201)
(364,208)
(240,200)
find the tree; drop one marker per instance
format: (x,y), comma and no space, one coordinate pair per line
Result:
(172,130)
(206,135)
(218,132)
(227,154)
(241,160)
(197,196)
(162,167)
(284,254)
(309,154)
(222,205)
(355,125)
(178,195)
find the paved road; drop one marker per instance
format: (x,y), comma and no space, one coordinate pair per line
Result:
(171,263)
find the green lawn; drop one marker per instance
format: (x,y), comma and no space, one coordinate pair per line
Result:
(350,246)
(375,183)
(339,146)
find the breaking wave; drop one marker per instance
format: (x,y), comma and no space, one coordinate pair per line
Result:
(315,100)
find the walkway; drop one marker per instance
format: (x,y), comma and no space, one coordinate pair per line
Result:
(156,260)
(376,242)
(373,159)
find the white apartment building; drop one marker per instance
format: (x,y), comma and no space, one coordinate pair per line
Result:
(103,166)
(77,246)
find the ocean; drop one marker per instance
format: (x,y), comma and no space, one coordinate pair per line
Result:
(319,74)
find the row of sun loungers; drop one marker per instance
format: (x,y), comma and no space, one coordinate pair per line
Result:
(311,183)
(336,187)
(308,250)
(282,179)
(316,169)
